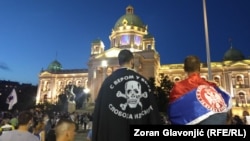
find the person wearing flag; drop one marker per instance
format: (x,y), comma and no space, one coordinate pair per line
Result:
(195,100)
(11,99)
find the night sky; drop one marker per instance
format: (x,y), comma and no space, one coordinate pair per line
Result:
(33,33)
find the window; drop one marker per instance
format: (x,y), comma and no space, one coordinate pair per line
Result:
(149,47)
(204,77)
(241,100)
(125,39)
(239,80)
(177,79)
(217,80)
(137,40)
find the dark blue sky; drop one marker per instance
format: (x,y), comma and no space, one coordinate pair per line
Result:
(33,33)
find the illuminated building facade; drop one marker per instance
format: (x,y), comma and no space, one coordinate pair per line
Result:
(129,32)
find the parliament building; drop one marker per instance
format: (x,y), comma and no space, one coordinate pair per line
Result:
(129,32)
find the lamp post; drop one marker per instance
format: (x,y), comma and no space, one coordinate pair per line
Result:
(104,65)
(207,41)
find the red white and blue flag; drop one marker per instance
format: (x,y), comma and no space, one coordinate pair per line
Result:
(198,104)
(12,99)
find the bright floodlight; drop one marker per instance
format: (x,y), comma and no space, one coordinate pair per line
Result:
(104,63)
(86,90)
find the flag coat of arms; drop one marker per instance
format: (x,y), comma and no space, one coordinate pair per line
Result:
(194,100)
(12,99)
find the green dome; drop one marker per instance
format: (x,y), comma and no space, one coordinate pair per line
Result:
(148,36)
(97,41)
(129,19)
(55,66)
(233,55)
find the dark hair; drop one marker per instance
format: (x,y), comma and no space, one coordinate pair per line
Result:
(192,64)
(125,56)
(24,117)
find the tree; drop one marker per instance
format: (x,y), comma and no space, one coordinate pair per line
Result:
(166,85)
(162,91)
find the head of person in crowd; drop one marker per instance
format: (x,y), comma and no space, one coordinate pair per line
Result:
(192,64)
(236,120)
(65,130)
(6,126)
(25,120)
(126,59)
(14,120)
(245,115)
(45,118)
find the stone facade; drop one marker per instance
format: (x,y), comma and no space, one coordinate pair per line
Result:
(129,32)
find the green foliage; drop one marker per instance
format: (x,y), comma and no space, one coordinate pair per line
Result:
(162,91)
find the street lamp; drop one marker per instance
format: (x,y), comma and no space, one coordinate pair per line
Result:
(207,41)
(86,93)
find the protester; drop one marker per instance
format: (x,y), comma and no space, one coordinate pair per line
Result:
(65,130)
(48,124)
(246,117)
(14,120)
(51,135)
(125,98)
(25,120)
(197,101)
(6,126)
(236,120)
(39,130)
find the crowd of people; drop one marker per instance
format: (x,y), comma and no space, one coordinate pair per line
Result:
(38,125)
(126,98)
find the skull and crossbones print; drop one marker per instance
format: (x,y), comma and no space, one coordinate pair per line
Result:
(132,94)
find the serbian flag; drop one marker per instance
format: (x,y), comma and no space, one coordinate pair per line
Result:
(12,99)
(198,104)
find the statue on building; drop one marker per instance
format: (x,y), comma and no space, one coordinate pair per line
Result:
(70,94)
(70,98)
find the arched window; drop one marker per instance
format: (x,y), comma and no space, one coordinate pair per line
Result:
(177,79)
(137,40)
(45,98)
(241,100)
(204,77)
(239,80)
(125,40)
(217,80)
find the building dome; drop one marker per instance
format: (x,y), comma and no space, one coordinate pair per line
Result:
(97,41)
(233,55)
(129,19)
(148,36)
(55,66)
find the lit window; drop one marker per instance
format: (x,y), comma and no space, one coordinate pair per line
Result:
(137,40)
(125,39)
